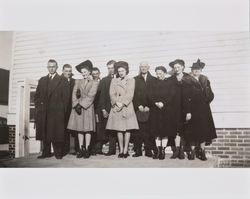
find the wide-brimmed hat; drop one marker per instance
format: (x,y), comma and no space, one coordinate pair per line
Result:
(198,65)
(177,61)
(86,64)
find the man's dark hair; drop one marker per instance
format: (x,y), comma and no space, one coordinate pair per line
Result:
(95,69)
(162,68)
(53,61)
(111,62)
(67,66)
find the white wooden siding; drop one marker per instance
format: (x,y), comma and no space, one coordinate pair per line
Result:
(226,54)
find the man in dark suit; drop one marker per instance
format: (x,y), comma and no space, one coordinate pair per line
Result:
(70,135)
(142,84)
(105,106)
(51,102)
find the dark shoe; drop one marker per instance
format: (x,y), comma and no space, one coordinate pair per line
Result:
(73,153)
(176,151)
(181,155)
(158,153)
(191,155)
(138,153)
(109,153)
(203,155)
(162,154)
(198,152)
(125,155)
(99,153)
(43,156)
(148,153)
(59,157)
(121,155)
(87,153)
(80,153)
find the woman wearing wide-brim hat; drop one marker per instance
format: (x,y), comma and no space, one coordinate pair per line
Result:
(82,117)
(200,128)
(122,117)
(179,106)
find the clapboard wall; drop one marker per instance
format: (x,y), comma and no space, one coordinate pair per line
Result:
(226,54)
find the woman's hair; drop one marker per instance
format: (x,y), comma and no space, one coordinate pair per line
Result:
(121,64)
(162,68)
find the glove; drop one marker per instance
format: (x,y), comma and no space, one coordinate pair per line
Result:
(78,93)
(78,109)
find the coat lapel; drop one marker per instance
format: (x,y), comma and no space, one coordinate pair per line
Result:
(54,83)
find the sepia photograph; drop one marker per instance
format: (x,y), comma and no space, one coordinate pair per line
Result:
(114,99)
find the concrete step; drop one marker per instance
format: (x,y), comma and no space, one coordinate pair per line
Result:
(101,161)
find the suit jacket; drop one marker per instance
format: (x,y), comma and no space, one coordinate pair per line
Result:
(104,98)
(51,103)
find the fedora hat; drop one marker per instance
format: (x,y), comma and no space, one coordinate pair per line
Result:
(198,65)
(86,64)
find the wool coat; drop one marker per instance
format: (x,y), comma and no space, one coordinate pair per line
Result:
(122,90)
(51,103)
(85,122)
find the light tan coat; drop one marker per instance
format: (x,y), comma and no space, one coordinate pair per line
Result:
(86,121)
(122,90)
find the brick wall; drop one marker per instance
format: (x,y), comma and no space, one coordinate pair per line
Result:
(232,147)
(12,132)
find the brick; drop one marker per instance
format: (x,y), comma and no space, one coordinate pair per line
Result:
(231,152)
(230,136)
(222,132)
(246,132)
(235,133)
(230,144)
(247,149)
(236,149)
(222,140)
(244,144)
(246,140)
(244,152)
(237,157)
(221,136)
(243,136)
(223,148)
(236,140)
(217,144)
(237,165)
(223,156)
(210,148)
(217,152)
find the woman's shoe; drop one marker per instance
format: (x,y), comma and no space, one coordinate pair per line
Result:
(120,155)
(203,155)
(181,155)
(87,153)
(176,151)
(162,154)
(191,155)
(125,155)
(80,153)
(158,153)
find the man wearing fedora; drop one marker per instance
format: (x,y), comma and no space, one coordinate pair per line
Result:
(200,129)
(141,105)
(51,102)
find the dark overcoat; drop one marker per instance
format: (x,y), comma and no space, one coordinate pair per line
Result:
(179,103)
(159,118)
(141,95)
(51,102)
(201,127)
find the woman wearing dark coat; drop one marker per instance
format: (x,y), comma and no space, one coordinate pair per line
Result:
(200,130)
(159,117)
(179,86)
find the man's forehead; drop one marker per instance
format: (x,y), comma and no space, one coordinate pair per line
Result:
(144,63)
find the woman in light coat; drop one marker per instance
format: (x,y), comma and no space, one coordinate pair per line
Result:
(122,118)
(82,117)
